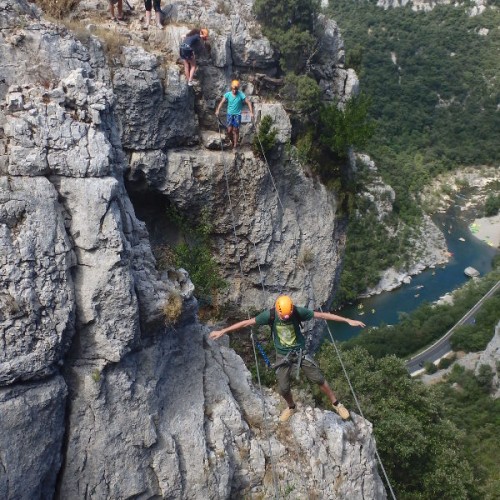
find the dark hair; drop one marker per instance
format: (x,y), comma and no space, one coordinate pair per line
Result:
(196,31)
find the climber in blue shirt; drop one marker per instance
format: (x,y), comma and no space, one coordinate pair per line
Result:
(235,100)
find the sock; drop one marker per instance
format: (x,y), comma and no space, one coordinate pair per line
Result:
(336,403)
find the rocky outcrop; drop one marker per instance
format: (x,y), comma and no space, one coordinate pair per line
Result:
(102,392)
(181,419)
(491,357)
(427,5)
(31,440)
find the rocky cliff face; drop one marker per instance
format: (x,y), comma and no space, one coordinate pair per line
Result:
(98,396)
(478,6)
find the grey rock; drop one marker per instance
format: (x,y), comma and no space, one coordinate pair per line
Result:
(182,419)
(153,112)
(281,235)
(491,357)
(36,293)
(31,438)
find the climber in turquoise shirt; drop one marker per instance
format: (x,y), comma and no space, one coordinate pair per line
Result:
(235,100)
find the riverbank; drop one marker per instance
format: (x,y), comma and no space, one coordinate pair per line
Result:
(430,249)
(487,229)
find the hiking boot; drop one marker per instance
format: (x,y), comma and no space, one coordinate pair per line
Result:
(342,411)
(286,414)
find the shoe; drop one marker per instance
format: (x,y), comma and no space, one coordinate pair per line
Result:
(190,83)
(342,411)
(286,414)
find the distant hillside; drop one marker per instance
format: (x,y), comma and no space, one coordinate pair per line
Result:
(432,80)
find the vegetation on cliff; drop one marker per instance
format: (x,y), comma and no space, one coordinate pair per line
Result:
(431,77)
(420,449)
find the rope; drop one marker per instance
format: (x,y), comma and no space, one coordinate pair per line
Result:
(335,345)
(264,407)
(255,343)
(351,387)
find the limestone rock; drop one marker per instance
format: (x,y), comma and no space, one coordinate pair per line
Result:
(182,419)
(281,235)
(491,356)
(153,113)
(32,438)
(36,296)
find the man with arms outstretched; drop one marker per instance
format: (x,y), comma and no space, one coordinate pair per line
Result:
(289,343)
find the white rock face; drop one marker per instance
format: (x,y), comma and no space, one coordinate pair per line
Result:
(491,356)
(104,397)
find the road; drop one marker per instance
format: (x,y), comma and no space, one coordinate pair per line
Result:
(442,346)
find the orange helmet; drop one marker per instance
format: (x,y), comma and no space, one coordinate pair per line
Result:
(284,306)
(235,84)
(204,33)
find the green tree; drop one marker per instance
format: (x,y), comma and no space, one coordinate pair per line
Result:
(195,255)
(301,94)
(492,205)
(289,25)
(420,450)
(265,138)
(343,128)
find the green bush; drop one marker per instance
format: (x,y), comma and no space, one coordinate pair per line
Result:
(430,367)
(419,448)
(195,255)
(265,138)
(446,362)
(343,128)
(289,25)
(492,205)
(302,95)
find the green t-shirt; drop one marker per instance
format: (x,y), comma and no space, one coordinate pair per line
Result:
(286,334)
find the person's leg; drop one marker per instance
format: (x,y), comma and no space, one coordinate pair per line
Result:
(326,389)
(157,8)
(120,9)
(186,69)
(315,375)
(147,5)
(237,124)
(192,64)
(283,379)
(230,134)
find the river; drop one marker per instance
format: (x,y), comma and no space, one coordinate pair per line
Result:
(427,286)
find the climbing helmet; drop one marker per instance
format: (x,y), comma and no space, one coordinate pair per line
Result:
(284,306)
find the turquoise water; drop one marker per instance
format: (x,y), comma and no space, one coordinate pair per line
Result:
(427,286)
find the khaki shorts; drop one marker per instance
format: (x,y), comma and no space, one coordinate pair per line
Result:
(284,371)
